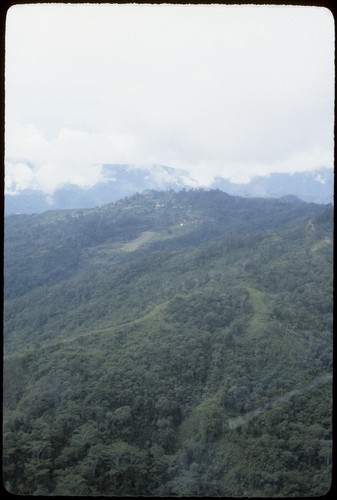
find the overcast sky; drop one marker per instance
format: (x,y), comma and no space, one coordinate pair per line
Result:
(223,90)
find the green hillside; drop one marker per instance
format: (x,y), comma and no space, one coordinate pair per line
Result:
(169,344)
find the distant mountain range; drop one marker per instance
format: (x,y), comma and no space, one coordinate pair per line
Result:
(311,186)
(125,180)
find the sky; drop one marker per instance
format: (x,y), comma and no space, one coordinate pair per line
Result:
(217,90)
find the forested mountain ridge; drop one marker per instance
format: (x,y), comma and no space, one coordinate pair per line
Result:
(52,242)
(169,344)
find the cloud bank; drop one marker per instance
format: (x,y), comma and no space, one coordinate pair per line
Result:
(216,90)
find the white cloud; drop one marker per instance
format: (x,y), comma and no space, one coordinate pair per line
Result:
(217,90)
(19,176)
(77,157)
(74,157)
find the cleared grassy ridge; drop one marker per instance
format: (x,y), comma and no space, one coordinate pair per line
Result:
(138,242)
(259,321)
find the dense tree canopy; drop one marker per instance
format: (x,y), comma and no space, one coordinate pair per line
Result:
(169,344)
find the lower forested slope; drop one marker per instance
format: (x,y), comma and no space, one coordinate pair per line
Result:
(169,344)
